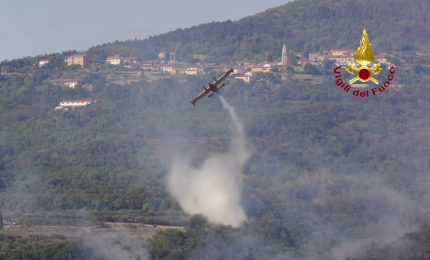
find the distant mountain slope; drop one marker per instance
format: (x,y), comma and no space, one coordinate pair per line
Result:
(304,24)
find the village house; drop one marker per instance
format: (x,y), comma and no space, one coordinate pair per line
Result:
(246,77)
(217,68)
(131,60)
(43,63)
(182,69)
(341,57)
(341,60)
(114,60)
(73,104)
(148,66)
(70,83)
(342,53)
(168,69)
(266,68)
(193,70)
(77,59)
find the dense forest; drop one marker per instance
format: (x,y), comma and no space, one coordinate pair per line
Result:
(331,176)
(324,163)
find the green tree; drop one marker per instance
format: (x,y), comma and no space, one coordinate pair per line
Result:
(311,69)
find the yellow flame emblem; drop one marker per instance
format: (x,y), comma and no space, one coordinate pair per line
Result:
(364,56)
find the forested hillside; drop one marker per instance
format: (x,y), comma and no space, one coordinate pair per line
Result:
(307,25)
(331,175)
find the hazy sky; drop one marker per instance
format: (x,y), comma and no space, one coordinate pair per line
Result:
(32,27)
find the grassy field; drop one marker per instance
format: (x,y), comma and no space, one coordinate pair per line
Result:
(105,230)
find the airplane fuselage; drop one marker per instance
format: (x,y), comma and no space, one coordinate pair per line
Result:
(213,87)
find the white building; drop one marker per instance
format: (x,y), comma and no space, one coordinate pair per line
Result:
(148,66)
(72,104)
(247,77)
(168,69)
(341,60)
(192,71)
(43,63)
(114,60)
(342,53)
(131,60)
(70,83)
(341,57)
(266,68)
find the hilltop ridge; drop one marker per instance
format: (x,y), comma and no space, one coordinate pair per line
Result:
(306,25)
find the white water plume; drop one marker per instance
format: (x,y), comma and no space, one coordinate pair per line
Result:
(213,188)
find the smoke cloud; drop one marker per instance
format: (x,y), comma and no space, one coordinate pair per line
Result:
(121,246)
(213,188)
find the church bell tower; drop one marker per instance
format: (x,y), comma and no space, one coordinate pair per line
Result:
(284,56)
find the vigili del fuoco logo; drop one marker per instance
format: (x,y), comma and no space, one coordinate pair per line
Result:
(364,70)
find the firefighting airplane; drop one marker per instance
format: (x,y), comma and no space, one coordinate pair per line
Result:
(213,87)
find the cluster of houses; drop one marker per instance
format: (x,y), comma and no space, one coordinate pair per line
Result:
(245,72)
(340,57)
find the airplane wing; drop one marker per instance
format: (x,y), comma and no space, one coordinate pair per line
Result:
(200,96)
(220,86)
(218,81)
